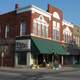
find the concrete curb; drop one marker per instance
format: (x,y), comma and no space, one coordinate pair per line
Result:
(41,70)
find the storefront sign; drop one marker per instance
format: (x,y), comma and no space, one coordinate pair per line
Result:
(22,45)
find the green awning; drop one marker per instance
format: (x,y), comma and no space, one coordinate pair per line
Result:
(45,46)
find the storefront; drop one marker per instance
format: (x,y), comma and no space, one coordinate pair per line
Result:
(37,51)
(47,51)
(7,48)
(74,54)
(23,52)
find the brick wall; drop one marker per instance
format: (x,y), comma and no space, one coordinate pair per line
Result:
(14,21)
(51,10)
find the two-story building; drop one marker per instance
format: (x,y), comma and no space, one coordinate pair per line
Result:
(70,43)
(31,35)
(43,43)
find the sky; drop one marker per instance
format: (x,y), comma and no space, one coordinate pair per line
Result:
(70,8)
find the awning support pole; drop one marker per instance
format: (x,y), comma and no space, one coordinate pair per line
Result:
(52,59)
(62,60)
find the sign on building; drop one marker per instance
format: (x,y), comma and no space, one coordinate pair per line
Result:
(23,45)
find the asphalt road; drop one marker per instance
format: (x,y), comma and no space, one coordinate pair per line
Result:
(68,75)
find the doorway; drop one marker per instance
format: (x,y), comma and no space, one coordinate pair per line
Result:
(44,59)
(22,58)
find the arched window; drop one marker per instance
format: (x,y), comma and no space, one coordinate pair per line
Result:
(40,27)
(56,30)
(56,15)
(56,26)
(67,35)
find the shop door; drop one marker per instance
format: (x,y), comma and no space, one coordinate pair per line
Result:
(22,58)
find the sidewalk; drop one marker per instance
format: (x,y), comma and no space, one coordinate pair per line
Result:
(37,70)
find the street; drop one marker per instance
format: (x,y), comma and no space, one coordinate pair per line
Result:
(65,75)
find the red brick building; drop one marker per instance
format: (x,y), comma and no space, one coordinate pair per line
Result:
(31,35)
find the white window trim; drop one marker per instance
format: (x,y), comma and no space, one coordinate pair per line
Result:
(34,31)
(56,27)
(6,31)
(21,25)
(56,15)
(21,29)
(39,29)
(40,21)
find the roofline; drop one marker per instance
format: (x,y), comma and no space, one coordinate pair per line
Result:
(59,9)
(7,12)
(67,23)
(35,9)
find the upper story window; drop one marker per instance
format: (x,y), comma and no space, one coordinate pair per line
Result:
(34,27)
(40,27)
(56,30)
(67,35)
(56,27)
(7,30)
(77,39)
(22,29)
(56,15)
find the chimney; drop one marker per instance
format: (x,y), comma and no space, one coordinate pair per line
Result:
(17,7)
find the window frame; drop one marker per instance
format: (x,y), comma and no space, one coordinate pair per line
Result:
(7,30)
(22,31)
(56,31)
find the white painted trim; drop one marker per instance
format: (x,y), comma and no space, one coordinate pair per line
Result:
(67,31)
(16,60)
(29,59)
(7,29)
(56,40)
(56,15)
(21,29)
(32,34)
(64,22)
(34,9)
(62,59)
(41,21)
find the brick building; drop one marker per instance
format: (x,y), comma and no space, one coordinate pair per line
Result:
(31,35)
(70,43)
(76,35)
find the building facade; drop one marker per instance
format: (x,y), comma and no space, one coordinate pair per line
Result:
(76,34)
(67,31)
(31,35)
(71,44)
